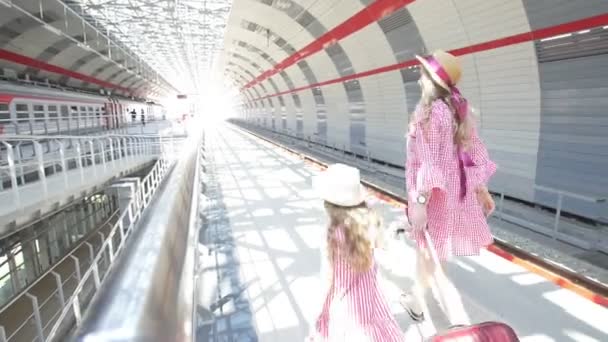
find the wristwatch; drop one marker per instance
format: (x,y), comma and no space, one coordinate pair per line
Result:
(421,199)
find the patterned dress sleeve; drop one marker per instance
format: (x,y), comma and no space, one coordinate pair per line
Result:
(482,168)
(433,136)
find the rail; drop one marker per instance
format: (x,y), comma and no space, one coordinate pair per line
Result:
(90,280)
(586,239)
(154,275)
(58,239)
(80,286)
(63,287)
(42,164)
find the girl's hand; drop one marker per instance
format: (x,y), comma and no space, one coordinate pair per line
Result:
(486,201)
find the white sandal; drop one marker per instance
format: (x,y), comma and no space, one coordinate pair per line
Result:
(406,301)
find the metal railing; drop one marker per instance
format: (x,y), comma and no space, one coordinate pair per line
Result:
(90,280)
(44,311)
(51,315)
(31,162)
(589,239)
(45,242)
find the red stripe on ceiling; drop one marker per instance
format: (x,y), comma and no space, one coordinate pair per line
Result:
(34,63)
(578,25)
(372,13)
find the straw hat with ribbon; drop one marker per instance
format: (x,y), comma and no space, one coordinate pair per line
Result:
(445,70)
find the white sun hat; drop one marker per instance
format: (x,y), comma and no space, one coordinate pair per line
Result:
(341,185)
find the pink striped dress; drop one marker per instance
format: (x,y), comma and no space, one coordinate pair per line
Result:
(355,310)
(456,221)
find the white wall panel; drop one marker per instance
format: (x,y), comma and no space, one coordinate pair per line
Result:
(259,13)
(439,24)
(385,136)
(334,12)
(368,49)
(291,113)
(510,101)
(294,72)
(338,120)
(309,112)
(505,18)
(322,66)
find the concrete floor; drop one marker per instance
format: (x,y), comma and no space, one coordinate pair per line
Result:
(268,224)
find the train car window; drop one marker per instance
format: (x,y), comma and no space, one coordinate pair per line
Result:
(39,112)
(52,111)
(5,115)
(74,111)
(64,111)
(22,111)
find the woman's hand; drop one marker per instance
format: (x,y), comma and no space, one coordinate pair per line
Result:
(486,201)
(417,216)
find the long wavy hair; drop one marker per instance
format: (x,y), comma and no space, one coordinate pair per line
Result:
(355,222)
(434,92)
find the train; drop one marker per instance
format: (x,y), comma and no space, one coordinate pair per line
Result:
(34,110)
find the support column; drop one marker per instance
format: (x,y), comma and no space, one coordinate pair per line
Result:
(44,254)
(30,255)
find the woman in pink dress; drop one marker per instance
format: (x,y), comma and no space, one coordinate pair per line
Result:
(447,170)
(353,307)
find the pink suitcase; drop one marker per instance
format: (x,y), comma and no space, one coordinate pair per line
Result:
(482,332)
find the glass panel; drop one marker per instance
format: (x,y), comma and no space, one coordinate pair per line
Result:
(4,114)
(22,111)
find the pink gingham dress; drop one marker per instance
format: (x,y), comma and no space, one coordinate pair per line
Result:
(456,224)
(355,310)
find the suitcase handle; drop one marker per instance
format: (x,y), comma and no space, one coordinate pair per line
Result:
(431,247)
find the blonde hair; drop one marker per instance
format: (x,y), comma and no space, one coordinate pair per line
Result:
(355,223)
(462,128)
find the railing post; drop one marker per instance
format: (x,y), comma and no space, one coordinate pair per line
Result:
(91,251)
(125,148)
(79,161)
(111,249)
(64,168)
(112,156)
(92,151)
(103,154)
(558,213)
(10,154)
(142,148)
(132,148)
(41,175)
(121,228)
(76,307)
(37,319)
(59,288)
(96,276)
(77,266)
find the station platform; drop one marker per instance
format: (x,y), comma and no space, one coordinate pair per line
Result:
(264,229)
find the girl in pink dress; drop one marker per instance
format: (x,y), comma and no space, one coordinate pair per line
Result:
(353,307)
(447,170)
